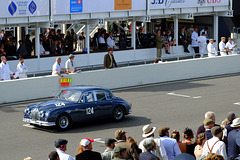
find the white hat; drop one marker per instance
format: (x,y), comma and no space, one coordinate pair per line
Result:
(148,130)
(235,123)
(86,141)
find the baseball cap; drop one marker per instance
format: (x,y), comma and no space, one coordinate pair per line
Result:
(86,141)
(60,142)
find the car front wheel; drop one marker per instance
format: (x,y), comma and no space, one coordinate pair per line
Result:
(63,122)
(118,113)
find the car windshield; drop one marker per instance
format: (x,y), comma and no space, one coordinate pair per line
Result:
(69,95)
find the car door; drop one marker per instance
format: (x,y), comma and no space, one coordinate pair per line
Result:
(87,106)
(104,103)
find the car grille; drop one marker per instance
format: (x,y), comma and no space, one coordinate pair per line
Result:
(35,114)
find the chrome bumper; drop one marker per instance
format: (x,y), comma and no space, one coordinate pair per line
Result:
(40,123)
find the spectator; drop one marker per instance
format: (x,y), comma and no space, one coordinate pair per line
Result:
(159,41)
(222,47)
(170,144)
(233,149)
(69,39)
(131,152)
(201,139)
(215,145)
(110,41)
(189,33)
(81,42)
(212,51)
(170,41)
(102,42)
(172,29)
(231,46)
(208,125)
(58,36)
(87,153)
(57,67)
(22,50)
(28,158)
(119,153)
(56,49)
(159,29)
(183,39)
(122,40)
(5,72)
(109,59)
(2,35)
(74,38)
(202,42)
(148,132)
(176,135)
(213,156)
(188,137)
(110,145)
(165,42)
(61,147)
(70,65)
(28,44)
(22,69)
(11,49)
(131,140)
(50,44)
(230,117)
(195,40)
(149,146)
(208,115)
(2,50)
(205,32)
(53,156)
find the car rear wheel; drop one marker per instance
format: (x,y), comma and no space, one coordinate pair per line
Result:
(63,122)
(118,113)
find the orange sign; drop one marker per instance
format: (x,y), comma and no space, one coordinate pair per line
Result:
(123,5)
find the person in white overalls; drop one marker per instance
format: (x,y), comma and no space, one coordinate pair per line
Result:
(22,69)
(5,72)
(222,47)
(232,47)
(212,51)
(202,42)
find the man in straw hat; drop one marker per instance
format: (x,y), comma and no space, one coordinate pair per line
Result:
(215,145)
(148,133)
(233,149)
(212,51)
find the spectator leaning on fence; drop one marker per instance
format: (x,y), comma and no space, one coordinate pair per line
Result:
(57,67)
(222,47)
(212,51)
(231,46)
(70,64)
(22,69)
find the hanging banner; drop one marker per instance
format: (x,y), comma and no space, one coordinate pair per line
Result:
(76,6)
(123,5)
(164,4)
(23,8)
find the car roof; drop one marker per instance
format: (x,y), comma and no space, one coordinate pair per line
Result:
(84,88)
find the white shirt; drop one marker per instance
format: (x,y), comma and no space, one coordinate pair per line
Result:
(171,147)
(219,147)
(222,46)
(22,70)
(194,38)
(56,68)
(160,146)
(211,50)
(202,42)
(5,71)
(101,40)
(111,42)
(69,65)
(42,50)
(202,31)
(230,45)
(63,156)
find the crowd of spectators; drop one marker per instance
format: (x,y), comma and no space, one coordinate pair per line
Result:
(220,145)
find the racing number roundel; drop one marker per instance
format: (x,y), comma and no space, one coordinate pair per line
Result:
(79,2)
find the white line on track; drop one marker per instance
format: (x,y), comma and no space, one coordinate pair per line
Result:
(238,103)
(181,95)
(98,140)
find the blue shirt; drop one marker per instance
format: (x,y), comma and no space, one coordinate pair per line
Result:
(171,147)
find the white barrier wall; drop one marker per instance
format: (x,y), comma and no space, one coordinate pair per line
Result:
(40,87)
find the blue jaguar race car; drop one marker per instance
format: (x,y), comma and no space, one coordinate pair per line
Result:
(76,104)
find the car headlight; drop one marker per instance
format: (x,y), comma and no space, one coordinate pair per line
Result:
(42,114)
(28,111)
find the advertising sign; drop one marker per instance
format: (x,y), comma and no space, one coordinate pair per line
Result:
(23,8)
(164,4)
(76,6)
(123,5)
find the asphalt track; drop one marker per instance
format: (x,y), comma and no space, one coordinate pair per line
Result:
(177,105)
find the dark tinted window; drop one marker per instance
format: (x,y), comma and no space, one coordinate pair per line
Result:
(100,95)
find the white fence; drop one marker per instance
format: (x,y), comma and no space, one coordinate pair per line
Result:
(40,87)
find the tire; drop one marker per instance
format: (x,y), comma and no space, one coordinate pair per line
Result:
(118,113)
(63,122)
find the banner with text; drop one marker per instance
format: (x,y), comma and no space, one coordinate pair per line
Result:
(164,4)
(23,8)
